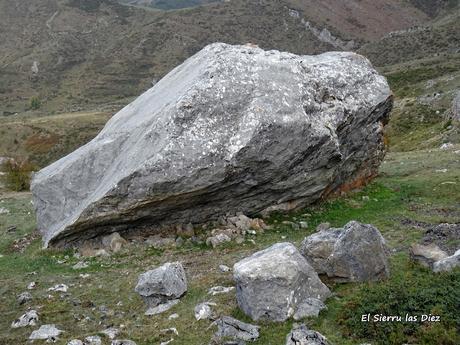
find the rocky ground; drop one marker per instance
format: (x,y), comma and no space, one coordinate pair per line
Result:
(85,296)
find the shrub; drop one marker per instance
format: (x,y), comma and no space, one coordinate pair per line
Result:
(17,174)
(416,291)
(35,103)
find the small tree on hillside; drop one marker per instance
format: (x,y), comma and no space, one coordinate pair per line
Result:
(35,103)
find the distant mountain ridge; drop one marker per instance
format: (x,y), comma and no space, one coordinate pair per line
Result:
(167,4)
(76,54)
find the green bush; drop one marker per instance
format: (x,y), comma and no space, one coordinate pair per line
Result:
(17,174)
(414,291)
(35,103)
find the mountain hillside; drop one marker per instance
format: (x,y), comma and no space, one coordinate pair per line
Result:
(69,55)
(166,4)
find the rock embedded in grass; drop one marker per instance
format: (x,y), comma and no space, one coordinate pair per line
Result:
(447,264)
(301,335)
(203,311)
(46,332)
(426,255)
(228,327)
(272,283)
(317,248)
(309,307)
(162,287)
(233,129)
(24,298)
(355,253)
(30,318)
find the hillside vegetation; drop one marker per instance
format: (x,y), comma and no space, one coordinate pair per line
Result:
(74,54)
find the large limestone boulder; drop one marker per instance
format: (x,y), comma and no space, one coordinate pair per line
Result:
(356,252)
(233,129)
(272,284)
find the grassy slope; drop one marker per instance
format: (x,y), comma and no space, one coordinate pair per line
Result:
(44,139)
(409,187)
(94,52)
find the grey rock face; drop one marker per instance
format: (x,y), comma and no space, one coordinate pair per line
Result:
(203,311)
(75,342)
(162,286)
(272,283)
(426,255)
(301,335)
(228,327)
(233,129)
(308,308)
(93,340)
(317,248)
(46,332)
(30,318)
(447,264)
(356,252)
(24,298)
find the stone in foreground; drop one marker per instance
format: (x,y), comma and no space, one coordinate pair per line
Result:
(301,335)
(233,129)
(273,283)
(162,287)
(355,253)
(228,327)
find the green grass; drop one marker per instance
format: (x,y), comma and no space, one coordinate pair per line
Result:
(409,187)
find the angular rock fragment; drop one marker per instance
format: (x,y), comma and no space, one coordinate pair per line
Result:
(24,298)
(46,332)
(317,248)
(114,242)
(30,318)
(59,288)
(203,311)
(310,307)
(228,327)
(162,307)
(111,332)
(160,288)
(301,335)
(272,283)
(233,129)
(217,290)
(93,340)
(447,264)
(356,252)
(426,255)
(217,240)
(75,342)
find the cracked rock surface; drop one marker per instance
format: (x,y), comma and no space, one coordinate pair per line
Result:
(232,129)
(272,284)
